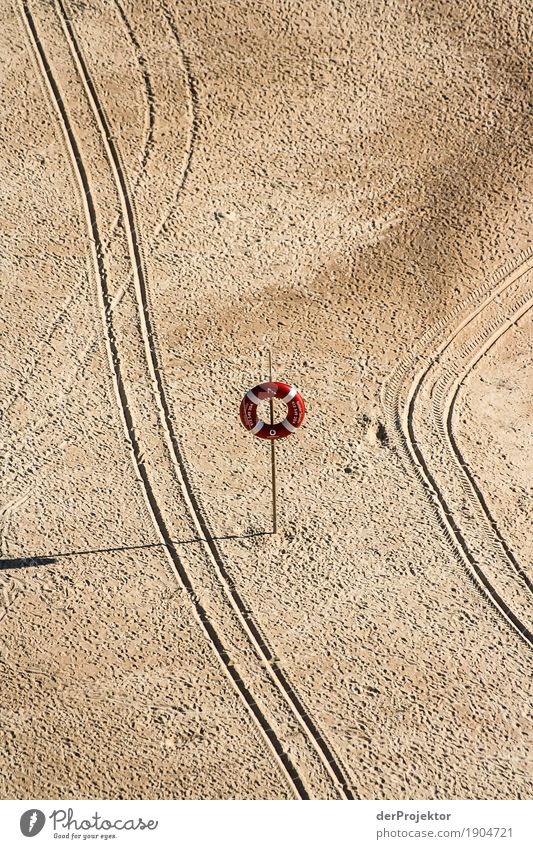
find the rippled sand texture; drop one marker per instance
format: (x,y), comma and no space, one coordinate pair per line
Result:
(185,186)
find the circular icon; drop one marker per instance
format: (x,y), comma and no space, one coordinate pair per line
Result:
(32,822)
(265,392)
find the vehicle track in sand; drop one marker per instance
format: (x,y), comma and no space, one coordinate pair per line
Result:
(149,336)
(446,392)
(62,315)
(153,96)
(310,754)
(419,411)
(150,109)
(194,118)
(114,358)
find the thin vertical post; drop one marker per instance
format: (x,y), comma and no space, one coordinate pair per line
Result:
(273,458)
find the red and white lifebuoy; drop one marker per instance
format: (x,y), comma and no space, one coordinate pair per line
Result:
(264,392)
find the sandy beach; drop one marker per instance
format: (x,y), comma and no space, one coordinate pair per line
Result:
(185,187)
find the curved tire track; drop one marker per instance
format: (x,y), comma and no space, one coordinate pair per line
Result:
(194,118)
(114,358)
(322,748)
(447,391)
(323,752)
(401,397)
(63,313)
(150,111)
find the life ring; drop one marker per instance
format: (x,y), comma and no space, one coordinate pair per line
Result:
(264,392)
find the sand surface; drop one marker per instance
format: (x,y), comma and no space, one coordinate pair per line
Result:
(183,187)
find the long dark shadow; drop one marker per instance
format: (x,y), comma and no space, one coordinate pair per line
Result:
(25,562)
(45,560)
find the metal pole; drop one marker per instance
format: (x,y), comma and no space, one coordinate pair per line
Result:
(273,458)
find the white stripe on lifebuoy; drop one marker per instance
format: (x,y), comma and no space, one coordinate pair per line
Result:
(290,395)
(253,398)
(257,426)
(288,426)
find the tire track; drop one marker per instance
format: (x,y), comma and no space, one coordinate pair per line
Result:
(146,152)
(113,353)
(399,399)
(63,313)
(267,732)
(323,750)
(473,483)
(484,540)
(150,111)
(448,394)
(194,116)
(149,90)
(472,529)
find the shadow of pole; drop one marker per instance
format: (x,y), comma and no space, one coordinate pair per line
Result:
(48,559)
